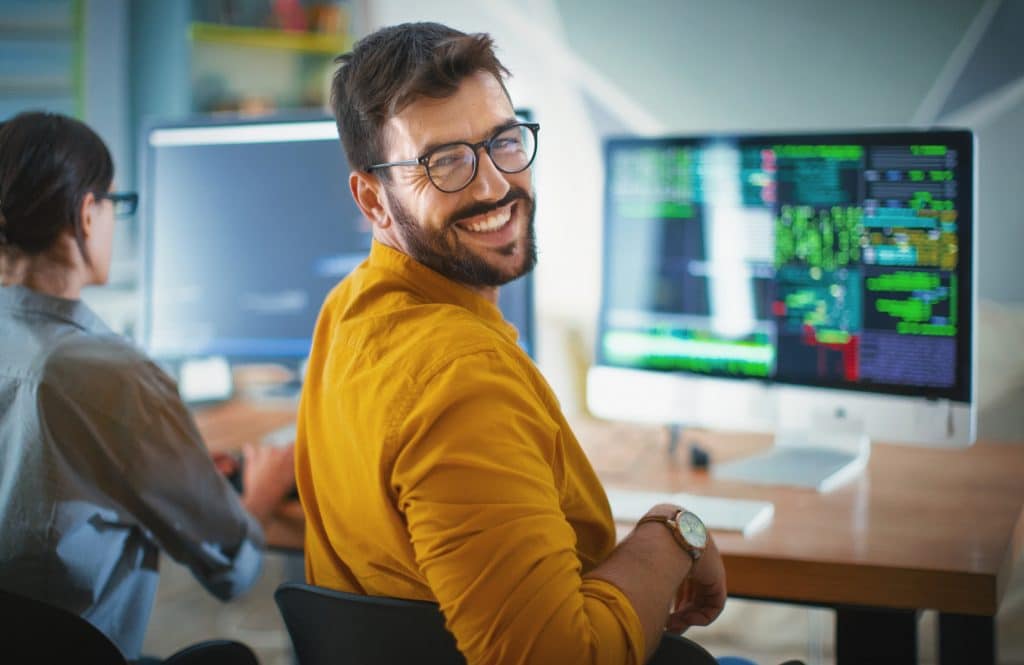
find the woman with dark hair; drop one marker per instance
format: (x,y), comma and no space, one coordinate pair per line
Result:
(101,465)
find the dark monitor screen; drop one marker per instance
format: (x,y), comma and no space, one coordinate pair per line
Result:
(248,227)
(836,260)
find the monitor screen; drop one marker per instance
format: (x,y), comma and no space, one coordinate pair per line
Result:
(833,260)
(248,226)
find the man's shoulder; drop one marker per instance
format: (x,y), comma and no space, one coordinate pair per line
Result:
(442,334)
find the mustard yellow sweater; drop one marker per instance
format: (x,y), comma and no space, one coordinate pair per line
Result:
(434,463)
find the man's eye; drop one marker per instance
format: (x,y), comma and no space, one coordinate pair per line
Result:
(450,159)
(443,162)
(506,143)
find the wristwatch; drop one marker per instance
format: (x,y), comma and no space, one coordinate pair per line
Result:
(686,528)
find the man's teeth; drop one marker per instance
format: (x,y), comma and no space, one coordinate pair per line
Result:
(492,222)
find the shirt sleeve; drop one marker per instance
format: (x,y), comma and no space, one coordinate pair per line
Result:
(476,477)
(124,427)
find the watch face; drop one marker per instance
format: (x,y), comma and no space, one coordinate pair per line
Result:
(693,529)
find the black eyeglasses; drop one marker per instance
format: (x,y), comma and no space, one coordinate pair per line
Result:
(125,203)
(452,166)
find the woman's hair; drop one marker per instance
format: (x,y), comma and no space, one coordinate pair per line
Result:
(48,163)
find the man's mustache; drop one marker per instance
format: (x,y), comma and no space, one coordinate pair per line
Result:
(483,208)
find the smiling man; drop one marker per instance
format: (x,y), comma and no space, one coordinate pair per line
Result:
(432,459)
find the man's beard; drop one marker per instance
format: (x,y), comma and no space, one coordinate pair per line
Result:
(441,251)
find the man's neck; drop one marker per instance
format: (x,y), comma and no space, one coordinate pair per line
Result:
(487,292)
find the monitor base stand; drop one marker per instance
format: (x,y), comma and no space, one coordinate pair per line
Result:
(818,460)
(675,433)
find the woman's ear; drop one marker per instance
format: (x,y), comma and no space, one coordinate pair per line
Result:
(85,214)
(367,190)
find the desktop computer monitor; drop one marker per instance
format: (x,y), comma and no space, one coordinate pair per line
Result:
(248,225)
(813,283)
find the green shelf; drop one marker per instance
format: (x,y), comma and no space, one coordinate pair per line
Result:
(305,42)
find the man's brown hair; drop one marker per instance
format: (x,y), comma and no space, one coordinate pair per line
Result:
(391,68)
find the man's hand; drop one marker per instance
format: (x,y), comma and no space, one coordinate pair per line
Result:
(701,596)
(655,573)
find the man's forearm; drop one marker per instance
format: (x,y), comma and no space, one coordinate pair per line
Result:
(648,567)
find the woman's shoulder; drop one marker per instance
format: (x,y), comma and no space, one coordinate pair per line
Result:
(105,354)
(107,371)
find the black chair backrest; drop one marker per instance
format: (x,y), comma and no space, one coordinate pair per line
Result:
(214,652)
(677,650)
(339,628)
(37,632)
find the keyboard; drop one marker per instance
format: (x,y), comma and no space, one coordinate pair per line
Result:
(745,516)
(281,436)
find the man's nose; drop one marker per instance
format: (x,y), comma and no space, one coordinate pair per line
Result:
(490,182)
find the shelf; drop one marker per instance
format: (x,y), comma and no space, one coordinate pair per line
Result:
(267,38)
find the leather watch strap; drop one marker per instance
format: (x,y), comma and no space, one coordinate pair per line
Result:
(671,523)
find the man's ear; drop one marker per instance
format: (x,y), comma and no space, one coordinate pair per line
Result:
(368,192)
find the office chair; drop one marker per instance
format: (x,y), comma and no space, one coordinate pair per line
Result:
(213,652)
(339,628)
(677,650)
(37,632)
(335,627)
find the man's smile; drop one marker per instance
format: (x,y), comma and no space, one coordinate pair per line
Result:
(496,228)
(490,222)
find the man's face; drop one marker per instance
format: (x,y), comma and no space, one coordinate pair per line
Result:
(481,236)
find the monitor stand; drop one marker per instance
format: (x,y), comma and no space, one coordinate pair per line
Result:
(821,458)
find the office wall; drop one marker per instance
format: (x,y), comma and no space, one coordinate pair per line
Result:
(105,76)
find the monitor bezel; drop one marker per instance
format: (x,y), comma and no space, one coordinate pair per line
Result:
(146,191)
(962,139)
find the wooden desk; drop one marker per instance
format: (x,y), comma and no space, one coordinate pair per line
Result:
(227,427)
(921,529)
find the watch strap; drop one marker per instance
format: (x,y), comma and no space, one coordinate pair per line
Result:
(672,524)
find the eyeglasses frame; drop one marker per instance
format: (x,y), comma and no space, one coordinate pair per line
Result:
(131,198)
(424,159)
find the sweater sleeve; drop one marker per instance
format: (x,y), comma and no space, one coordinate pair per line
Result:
(476,476)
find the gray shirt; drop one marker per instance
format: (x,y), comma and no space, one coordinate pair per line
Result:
(101,467)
